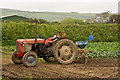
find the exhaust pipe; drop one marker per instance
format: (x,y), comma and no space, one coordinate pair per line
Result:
(35,34)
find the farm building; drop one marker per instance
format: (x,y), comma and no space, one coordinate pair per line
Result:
(14,18)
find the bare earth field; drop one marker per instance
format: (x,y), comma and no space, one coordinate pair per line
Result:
(95,68)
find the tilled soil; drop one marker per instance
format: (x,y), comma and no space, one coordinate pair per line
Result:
(101,68)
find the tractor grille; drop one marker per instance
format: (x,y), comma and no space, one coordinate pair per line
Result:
(17,47)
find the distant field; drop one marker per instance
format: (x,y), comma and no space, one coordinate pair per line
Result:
(50,16)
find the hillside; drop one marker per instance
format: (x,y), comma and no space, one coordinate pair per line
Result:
(50,16)
(14,18)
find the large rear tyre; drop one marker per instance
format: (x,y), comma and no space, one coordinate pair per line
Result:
(49,59)
(16,59)
(30,59)
(65,51)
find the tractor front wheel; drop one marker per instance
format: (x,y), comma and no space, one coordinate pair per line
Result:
(16,59)
(30,59)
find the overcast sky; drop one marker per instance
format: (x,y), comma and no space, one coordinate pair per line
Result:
(80,6)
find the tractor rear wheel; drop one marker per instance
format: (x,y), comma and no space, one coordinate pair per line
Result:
(65,51)
(16,59)
(30,59)
(49,59)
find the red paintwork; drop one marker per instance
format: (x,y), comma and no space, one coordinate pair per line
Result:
(50,39)
(32,41)
(63,35)
(27,41)
(20,54)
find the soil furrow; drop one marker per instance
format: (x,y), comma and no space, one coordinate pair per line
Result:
(101,68)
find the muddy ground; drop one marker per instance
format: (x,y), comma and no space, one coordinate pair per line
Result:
(102,68)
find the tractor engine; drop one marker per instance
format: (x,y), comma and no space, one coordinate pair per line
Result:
(25,45)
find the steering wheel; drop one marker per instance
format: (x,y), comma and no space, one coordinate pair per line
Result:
(43,37)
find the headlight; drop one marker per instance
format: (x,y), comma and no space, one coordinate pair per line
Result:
(22,43)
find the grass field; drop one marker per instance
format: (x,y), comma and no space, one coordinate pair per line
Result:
(49,16)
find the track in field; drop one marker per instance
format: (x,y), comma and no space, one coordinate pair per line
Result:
(102,68)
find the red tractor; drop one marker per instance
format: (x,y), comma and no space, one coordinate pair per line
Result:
(60,49)
(53,49)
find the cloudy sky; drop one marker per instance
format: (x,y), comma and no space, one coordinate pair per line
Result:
(81,6)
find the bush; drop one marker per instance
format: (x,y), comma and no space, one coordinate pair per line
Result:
(72,21)
(11,31)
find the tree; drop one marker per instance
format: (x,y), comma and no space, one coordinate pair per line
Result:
(55,22)
(115,18)
(79,21)
(67,21)
(30,20)
(91,20)
(103,17)
(41,21)
(72,21)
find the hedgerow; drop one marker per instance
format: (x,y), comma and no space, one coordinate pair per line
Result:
(11,31)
